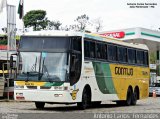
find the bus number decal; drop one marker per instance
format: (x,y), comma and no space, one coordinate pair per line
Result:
(145,73)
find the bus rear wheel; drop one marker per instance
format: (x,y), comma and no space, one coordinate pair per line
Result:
(129,97)
(39,105)
(86,99)
(128,100)
(134,98)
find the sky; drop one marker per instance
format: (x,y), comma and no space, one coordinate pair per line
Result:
(115,14)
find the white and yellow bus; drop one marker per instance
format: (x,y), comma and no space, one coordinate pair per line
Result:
(82,68)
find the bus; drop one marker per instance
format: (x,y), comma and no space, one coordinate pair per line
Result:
(83,68)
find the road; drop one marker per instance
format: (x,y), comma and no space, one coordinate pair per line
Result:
(150,106)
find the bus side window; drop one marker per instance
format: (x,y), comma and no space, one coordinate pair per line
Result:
(98,51)
(122,54)
(112,53)
(104,51)
(75,69)
(131,56)
(86,49)
(92,49)
(140,57)
(145,59)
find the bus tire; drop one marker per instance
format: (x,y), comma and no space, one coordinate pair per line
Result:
(129,97)
(86,99)
(134,98)
(39,105)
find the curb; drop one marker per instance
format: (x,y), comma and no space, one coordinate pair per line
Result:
(11,100)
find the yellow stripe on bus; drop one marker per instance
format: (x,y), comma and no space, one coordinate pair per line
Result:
(29,83)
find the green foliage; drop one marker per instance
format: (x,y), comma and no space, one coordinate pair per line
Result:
(82,20)
(54,25)
(153,58)
(3,42)
(97,23)
(36,19)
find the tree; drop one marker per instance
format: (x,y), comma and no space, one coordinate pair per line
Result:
(3,41)
(65,28)
(81,23)
(82,20)
(54,25)
(97,23)
(36,19)
(152,57)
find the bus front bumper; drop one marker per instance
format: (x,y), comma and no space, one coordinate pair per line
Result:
(44,96)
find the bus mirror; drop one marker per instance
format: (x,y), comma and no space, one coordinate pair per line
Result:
(11,61)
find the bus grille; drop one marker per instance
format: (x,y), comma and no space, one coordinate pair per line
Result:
(44,87)
(32,87)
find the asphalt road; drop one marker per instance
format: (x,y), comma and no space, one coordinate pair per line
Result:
(26,110)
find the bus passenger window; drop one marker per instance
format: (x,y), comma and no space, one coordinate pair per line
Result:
(98,51)
(92,49)
(145,59)
(112,53)
(86,49)
(131,56)
(122,54)
(104,51)
(139,57)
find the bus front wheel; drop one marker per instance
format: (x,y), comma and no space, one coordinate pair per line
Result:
(86,99)
(39,105)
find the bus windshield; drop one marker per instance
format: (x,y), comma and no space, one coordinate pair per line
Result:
(43,66)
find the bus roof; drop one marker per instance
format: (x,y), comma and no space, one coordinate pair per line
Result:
(116,41)
(53,33)
(86,35)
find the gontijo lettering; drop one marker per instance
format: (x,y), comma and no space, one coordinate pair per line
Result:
(124,71)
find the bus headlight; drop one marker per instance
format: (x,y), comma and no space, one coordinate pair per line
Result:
(60,88)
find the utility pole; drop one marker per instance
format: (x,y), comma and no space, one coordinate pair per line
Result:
(11,38)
